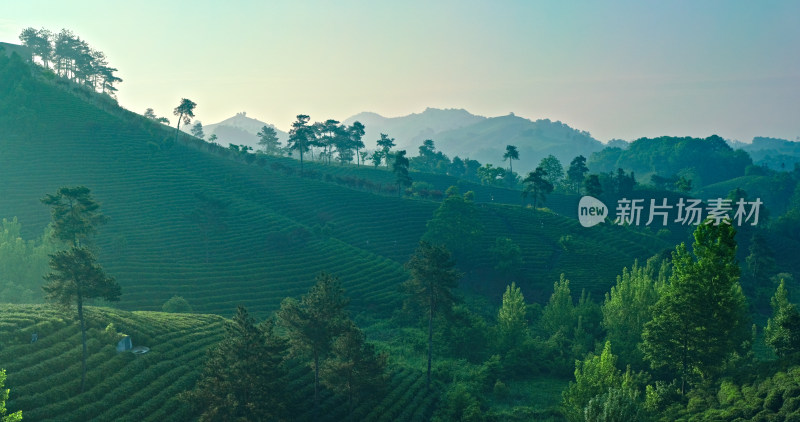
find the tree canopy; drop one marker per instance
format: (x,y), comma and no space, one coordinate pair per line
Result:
(242,376)
(433,278)
(701,316)
(72,58)
(75,214)
(313,322)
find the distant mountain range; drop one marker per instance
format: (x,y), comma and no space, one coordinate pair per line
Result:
(778,154)
(454,132)
(240,130)
(457,132)
(410,131)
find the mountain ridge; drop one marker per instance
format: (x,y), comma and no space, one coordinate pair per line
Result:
(241,130)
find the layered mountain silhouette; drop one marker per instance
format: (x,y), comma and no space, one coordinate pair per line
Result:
(458,132)
(241,130)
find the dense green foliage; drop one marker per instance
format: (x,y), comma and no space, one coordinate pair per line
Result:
(628,307)
(4,392)
(71,58)
(704,161)
(430,288)
(22,263)
(783,329)
(701,317)
(242,375)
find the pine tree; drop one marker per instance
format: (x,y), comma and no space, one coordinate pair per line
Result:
(268,139)
(783,329)
(185,113)
(400,168)
(559,313)
(701,317)
(433,276)
(456,224)
(594,376)
(314,322)
(354,368)
(628,306)
(537,185)
(75,275)
(242,376)
(577,173)
(300,137)
(512,322)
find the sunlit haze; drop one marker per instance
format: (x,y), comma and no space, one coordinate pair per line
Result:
(623,69)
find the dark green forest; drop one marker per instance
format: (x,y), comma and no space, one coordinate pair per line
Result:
(337,278)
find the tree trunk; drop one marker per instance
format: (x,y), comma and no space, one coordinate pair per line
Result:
(178,130)
(83,340)
(301,161)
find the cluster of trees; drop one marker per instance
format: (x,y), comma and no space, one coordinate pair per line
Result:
(245,376)
(329,137)
(679,331)
(71,58)
(22,263)
(664,335)
(704,161)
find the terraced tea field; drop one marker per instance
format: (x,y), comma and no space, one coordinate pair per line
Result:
(44,376)
(278,230)
(275,233)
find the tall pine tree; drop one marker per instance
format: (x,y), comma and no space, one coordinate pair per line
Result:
(313,322)
(433,276)
(701,317)
(76,276)
(242,376)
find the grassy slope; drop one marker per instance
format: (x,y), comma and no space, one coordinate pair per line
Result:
(281,231)
(272,247)
(44,377)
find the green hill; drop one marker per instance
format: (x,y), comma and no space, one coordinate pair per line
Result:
(44,376)
(278,230)
(704,161)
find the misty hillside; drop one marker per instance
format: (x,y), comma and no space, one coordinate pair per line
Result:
(459,133)
(486,141)
(279,229)
(777,154)
(410,131)
(240,130)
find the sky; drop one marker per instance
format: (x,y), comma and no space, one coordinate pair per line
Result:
(617,69)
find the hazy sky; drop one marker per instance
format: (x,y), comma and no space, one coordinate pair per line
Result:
(621,69)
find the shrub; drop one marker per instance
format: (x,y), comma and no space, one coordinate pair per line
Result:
(177,304)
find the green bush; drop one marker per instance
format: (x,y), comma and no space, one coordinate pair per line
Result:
(177,305)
